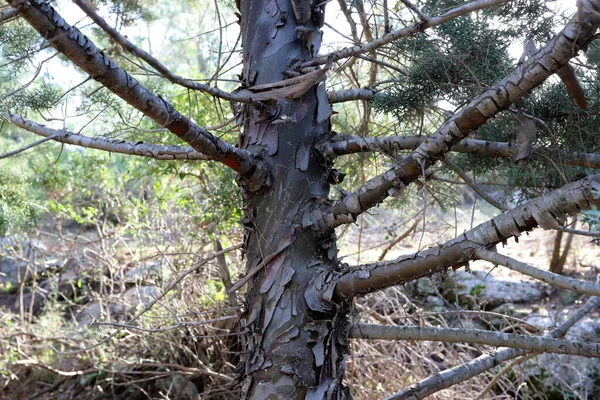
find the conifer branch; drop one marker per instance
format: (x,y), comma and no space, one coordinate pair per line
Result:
(153,62)
(547,211)
(113,146)
(548,277)
(513,88)
(468,370)
(392,144)
(84,53)
(404,32)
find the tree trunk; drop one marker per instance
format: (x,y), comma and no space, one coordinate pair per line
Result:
(295,344)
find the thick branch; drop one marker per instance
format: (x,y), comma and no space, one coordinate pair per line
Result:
(7,14)
(164,71)
(484,362)
(476,336)
(544,276)
(114,146)
(511,89)
(392,144)
(84,53)
(546,211)
(408,31)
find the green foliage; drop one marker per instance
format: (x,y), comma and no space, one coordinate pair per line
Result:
(21,205)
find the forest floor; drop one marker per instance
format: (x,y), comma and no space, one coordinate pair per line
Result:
(92,278)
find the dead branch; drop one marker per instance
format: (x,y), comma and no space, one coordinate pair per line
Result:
(479,336)
(465,177)
(113,146)
(484,362)
(392,144)
(408,31)
(153,62)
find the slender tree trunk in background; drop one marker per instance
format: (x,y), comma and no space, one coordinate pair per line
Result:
(557,263)
(294,344)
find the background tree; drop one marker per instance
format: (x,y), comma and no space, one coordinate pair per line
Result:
(440,70)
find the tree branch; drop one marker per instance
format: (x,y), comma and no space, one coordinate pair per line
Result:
(484,362)
(546,211)
(512,88)
(340,96)
(450,164)
(7,14)
(477,336)
(113,146)
(408,31)
(84,53)
(392,144)
(548,277)
(164,71)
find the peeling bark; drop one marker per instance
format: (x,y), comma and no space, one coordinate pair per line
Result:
(513,88)
(296,344)
(548,211)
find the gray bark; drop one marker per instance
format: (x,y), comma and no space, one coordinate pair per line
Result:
(296,344)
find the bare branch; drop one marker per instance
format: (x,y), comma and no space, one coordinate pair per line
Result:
(545,211)
(29,146)
(7,14)
(579,232)
(450,164)
(478,336)
(164,71)
(174,282)
(113,146)
(484,362)
(392,144)
(511,89)
(339,96)
(84,53)
(551,278)
(408,31)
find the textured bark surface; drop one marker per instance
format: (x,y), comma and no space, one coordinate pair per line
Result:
(296,344)
(547,212)
(513,88)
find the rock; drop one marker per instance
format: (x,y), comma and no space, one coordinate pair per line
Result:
(140,295)
(144,272)
(480,288)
